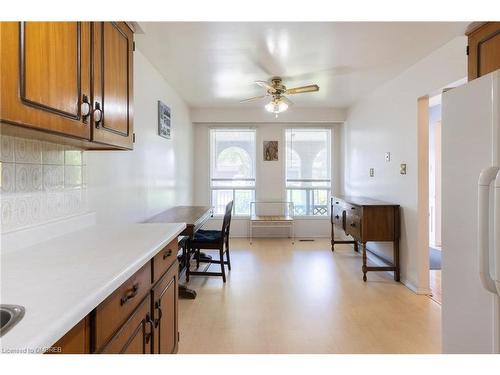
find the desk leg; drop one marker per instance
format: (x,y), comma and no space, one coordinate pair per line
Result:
(364,268)
(184,291)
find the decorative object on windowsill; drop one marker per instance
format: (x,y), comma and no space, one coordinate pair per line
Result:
(276,90)
(163,120)
(270,150)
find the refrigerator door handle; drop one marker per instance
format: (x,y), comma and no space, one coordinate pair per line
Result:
(496,234)
(483,234)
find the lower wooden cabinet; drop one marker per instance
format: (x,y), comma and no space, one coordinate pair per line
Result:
(165,333)
(139,317)
(135,336)
(76,341)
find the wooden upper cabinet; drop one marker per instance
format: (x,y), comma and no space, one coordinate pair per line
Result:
(484,49)
(45,70)
(69,78)
(113,84)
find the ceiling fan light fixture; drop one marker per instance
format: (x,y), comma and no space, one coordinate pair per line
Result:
(276,106)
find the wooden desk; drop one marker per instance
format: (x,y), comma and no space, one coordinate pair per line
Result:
(367,220)
(194,217)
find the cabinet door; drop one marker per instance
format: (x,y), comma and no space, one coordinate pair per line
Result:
(76,341)
(112,79)
(134,337)
(165,313)
(45,74)
(484,50)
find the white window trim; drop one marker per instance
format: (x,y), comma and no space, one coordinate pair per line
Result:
(283,163)
(210,163)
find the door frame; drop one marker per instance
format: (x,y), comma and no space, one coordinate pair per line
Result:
(423,195)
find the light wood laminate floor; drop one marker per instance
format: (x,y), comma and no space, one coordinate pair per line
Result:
(302,298)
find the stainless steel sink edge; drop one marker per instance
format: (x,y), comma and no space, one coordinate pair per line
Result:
(10,316)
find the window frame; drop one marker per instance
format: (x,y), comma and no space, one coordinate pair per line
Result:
(328,188)
(212,188)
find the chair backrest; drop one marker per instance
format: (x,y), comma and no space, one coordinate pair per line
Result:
(226,223)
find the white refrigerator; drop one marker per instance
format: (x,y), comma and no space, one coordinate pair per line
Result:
(471,217)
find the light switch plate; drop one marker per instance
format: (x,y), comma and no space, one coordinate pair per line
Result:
(372,172)
(403,169)
(387,156)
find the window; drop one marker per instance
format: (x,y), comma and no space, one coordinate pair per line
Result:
(232,169)
(308,170)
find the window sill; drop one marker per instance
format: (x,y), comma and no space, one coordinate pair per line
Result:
(247,217)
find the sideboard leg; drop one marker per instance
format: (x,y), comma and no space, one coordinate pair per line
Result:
(397,275)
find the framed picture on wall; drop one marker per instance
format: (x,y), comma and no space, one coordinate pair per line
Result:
(270,150)
(163,120)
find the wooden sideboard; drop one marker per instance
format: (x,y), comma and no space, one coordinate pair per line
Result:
(367,220)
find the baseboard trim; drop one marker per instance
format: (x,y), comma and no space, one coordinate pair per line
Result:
(407,283)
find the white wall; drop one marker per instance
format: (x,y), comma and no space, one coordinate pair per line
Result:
(269,175)
(157,174)
(386,120)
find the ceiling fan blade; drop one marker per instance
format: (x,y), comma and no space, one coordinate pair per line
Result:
(252,99)
(266,85)
(302,89)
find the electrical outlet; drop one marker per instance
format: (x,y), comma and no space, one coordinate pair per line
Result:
(403,169)
(372,172)
(387,156)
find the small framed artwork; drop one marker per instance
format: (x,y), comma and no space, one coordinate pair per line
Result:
(270,150)
(163,120)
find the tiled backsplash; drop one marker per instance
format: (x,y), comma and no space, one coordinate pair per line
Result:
(41,182)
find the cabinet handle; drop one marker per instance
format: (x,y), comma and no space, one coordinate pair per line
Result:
(85,107)
(130,295)
(97,114)
(150,333)
(337,217)
(160,314)
(167,254)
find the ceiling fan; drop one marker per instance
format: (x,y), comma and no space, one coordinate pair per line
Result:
(277,91)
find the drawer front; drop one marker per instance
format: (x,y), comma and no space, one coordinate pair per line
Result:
(164,259)
(135,336)
(116,309)
(353,225)
(338,215)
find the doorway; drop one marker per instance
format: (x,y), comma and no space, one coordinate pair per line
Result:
(435,197)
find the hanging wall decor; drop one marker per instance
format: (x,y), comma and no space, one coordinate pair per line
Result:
(270,150)
(163,120)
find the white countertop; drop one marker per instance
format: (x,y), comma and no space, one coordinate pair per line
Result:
(61,280)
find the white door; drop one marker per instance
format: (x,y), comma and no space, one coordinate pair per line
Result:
(467,309)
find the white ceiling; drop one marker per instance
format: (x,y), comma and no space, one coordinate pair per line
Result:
(214,64)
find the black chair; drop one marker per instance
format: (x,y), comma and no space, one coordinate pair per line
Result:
(212,240)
